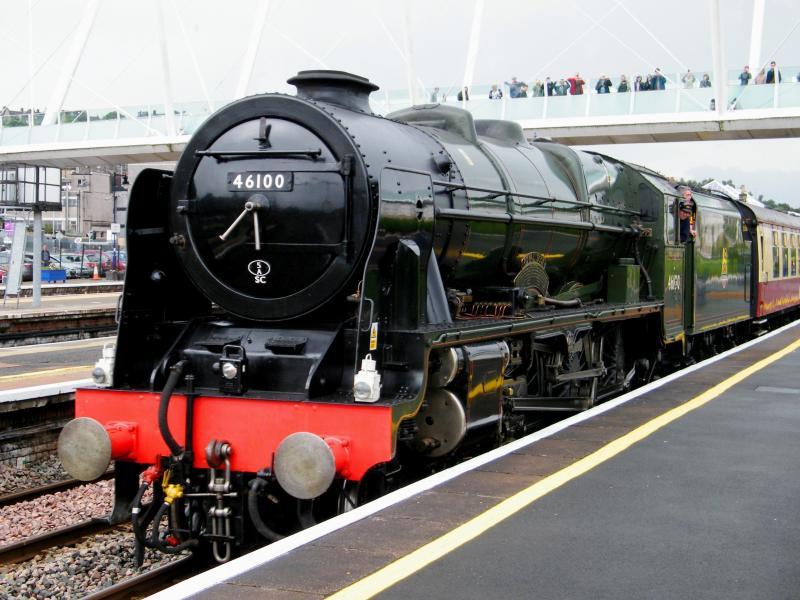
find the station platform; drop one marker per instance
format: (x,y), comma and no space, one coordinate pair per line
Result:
(67,311)
(70,287)
(686,487)
(42,370)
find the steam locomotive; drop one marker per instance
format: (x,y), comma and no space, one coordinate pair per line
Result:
(320,302)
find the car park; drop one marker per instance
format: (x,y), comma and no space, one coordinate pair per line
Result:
(27,267)
(103,260)
(75,266)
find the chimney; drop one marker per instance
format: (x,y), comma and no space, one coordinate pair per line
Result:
(336,87)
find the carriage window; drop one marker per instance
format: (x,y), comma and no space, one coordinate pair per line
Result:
(774,238)
(785,252)
(793,255)
(776,260)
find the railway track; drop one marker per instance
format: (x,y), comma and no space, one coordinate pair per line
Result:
(152,581)
(65,536)
(17,556)
(50,488)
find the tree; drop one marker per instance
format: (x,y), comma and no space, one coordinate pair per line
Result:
(769,203)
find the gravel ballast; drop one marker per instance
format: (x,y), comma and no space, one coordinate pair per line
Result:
(75,572)
(54,511)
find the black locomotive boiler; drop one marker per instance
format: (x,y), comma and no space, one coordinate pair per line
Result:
(319,301)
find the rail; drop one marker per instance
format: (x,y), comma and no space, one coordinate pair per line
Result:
(50,488)
(151,581)
(65,536)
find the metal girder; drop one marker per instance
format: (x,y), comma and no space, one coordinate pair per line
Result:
(756,35)
(474,40)
(718,53)
(169,111)
(249,59)
(70,64)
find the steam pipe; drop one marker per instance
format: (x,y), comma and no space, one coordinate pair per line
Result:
(574,303)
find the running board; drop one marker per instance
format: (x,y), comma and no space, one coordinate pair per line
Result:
(522,404)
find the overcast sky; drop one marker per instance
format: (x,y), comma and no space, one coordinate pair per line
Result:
(524,38)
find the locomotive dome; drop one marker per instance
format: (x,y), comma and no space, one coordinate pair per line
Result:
(269,201)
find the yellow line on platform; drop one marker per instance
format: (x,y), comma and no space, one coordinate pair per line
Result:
(424,556)
(87,369)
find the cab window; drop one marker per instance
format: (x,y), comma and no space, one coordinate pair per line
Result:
(671,234)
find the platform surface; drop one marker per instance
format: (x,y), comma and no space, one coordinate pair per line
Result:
(636,500)
(707,507)
(39,370)
(61,304)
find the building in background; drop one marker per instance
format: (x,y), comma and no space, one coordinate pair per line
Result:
(92,200)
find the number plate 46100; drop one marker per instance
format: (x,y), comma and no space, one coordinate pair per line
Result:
(260,181)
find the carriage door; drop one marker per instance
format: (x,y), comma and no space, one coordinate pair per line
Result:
(674,273)
(674,284)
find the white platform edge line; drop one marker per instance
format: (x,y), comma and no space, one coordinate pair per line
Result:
(42,391)
(203,581)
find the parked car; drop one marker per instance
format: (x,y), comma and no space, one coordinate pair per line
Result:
(103,260)
(121,259)
(27,266)
(72,264)
(92,258)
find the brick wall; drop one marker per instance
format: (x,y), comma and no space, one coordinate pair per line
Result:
(29,434)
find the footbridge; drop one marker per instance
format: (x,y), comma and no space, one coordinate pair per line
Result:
(89,120)
(144,134)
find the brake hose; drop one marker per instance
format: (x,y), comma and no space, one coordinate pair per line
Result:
(252,508)
(163,407)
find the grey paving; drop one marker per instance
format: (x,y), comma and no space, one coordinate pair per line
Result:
(708,507)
